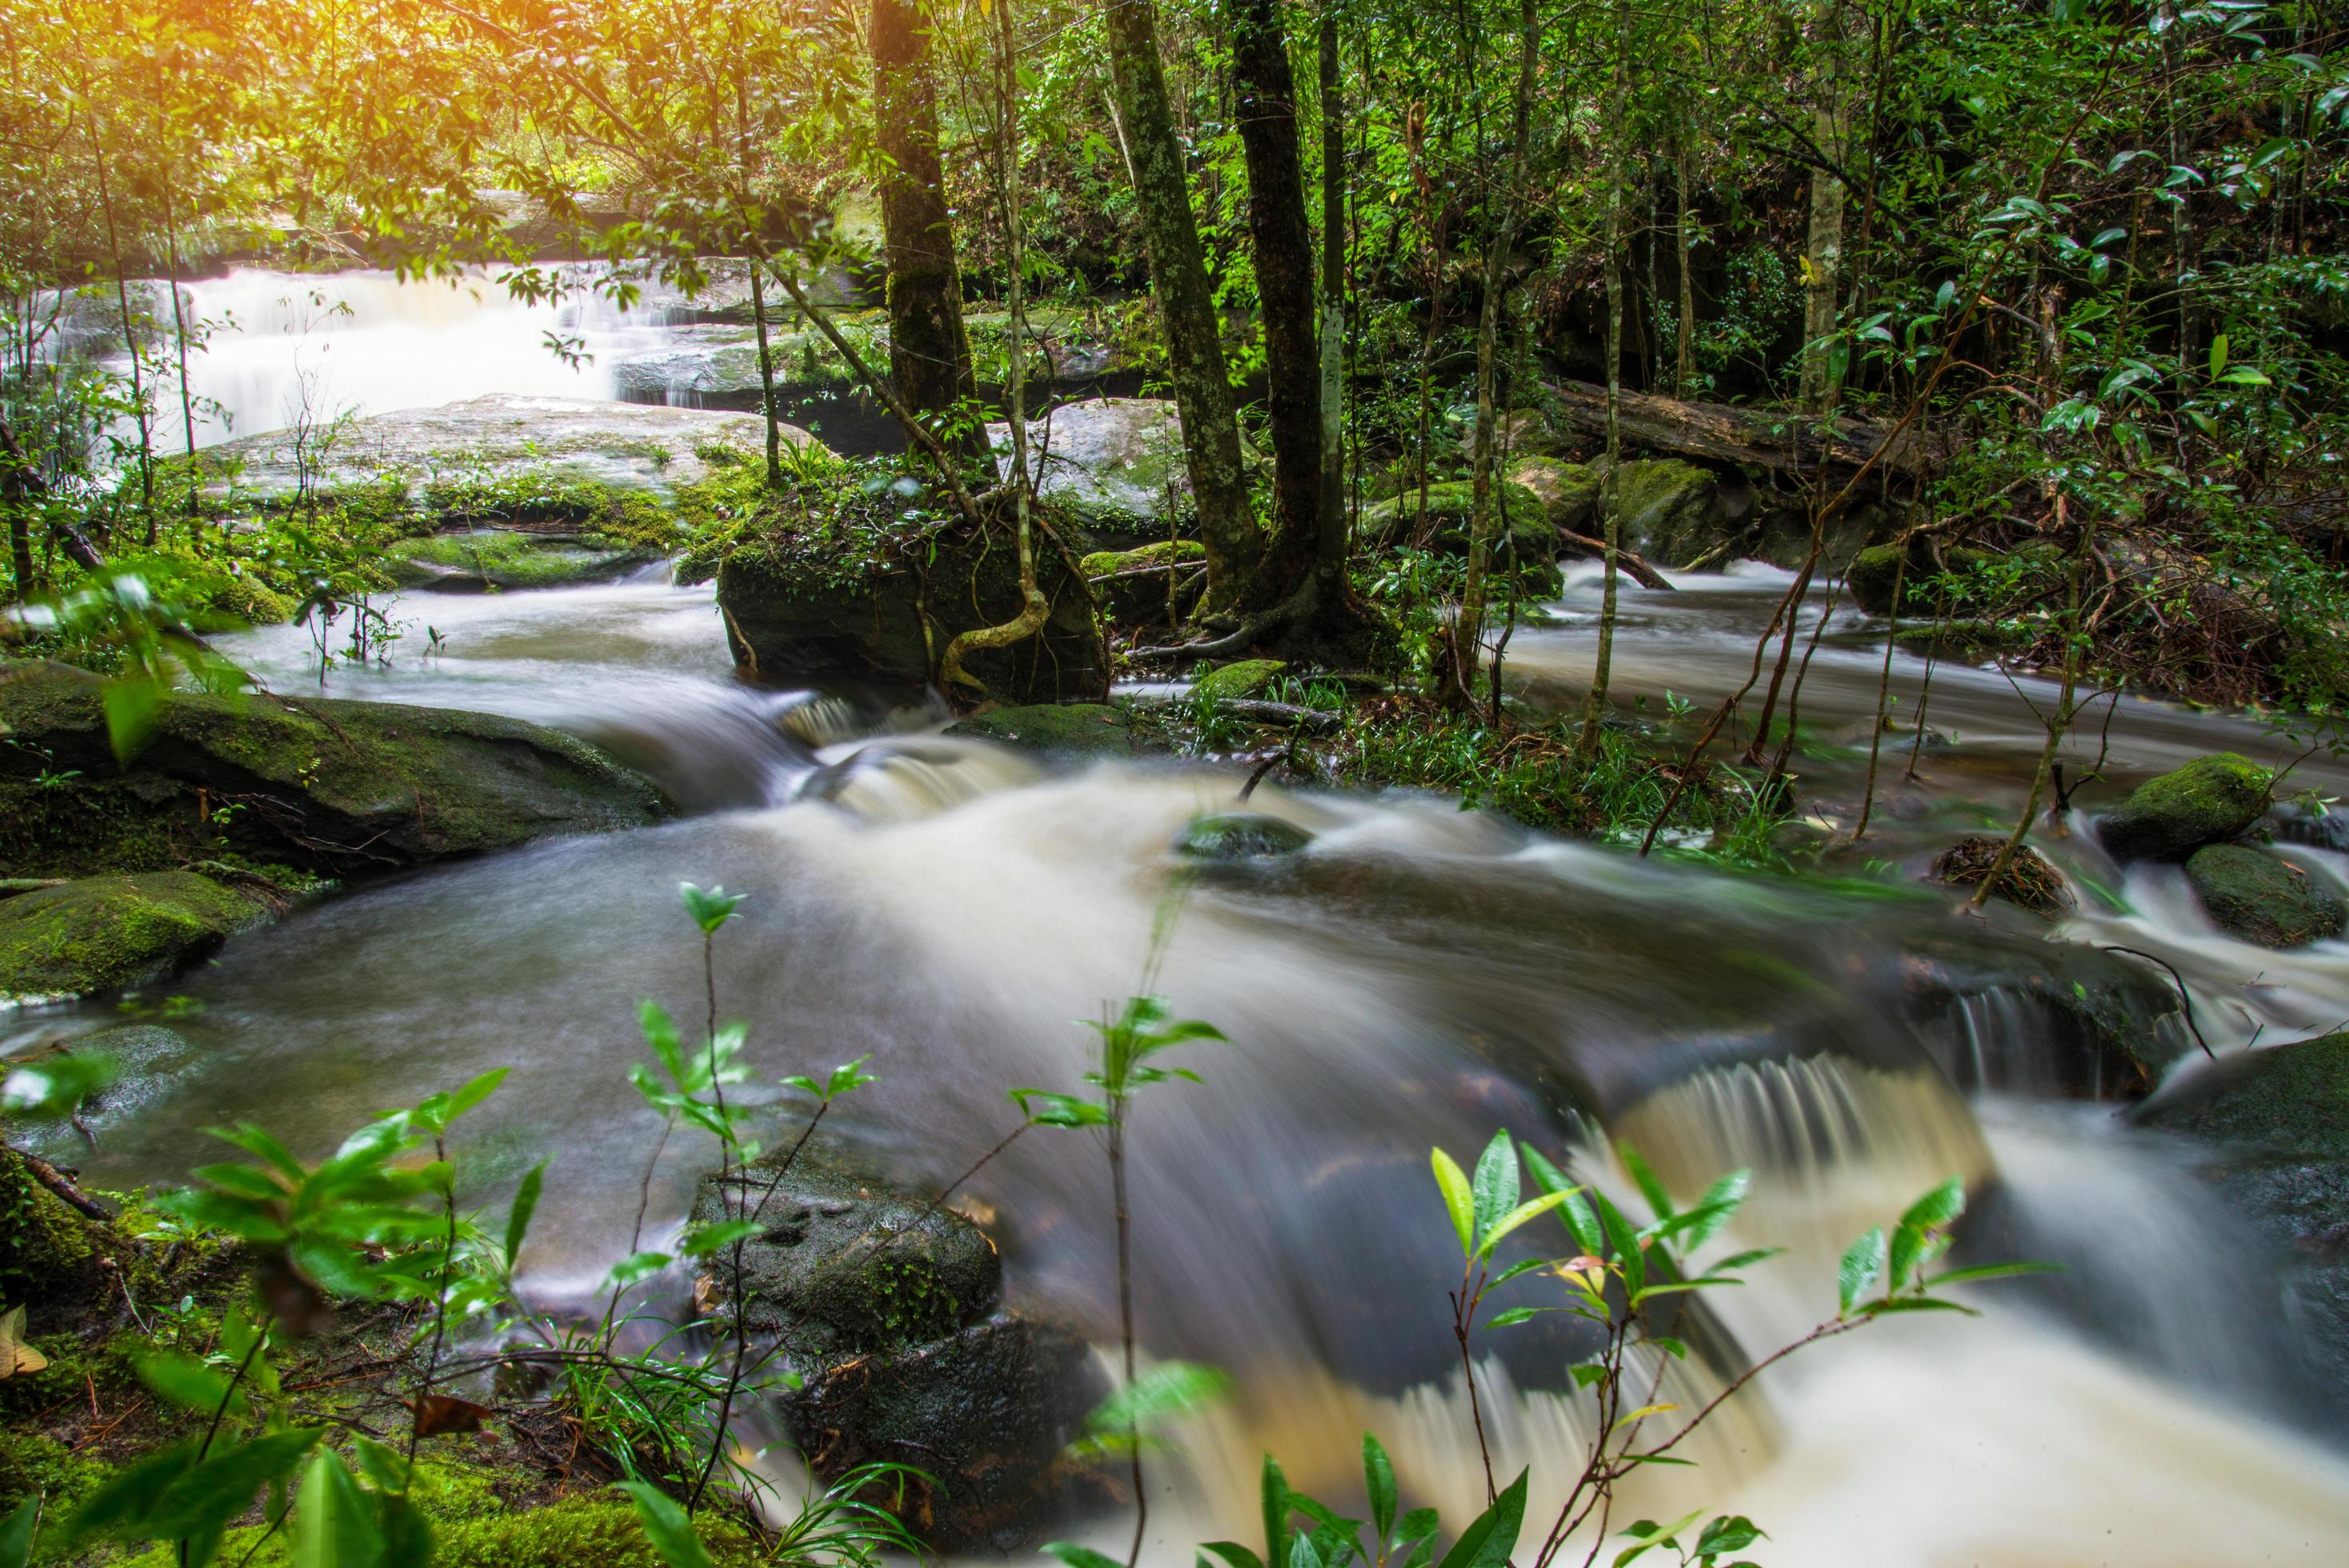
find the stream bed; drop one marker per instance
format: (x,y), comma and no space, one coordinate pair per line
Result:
(1418,976)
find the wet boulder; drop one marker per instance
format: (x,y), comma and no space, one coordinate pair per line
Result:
(1136,585)
(1115,464)
(817,598)
(1231,836)
(2278,1120)
(102,932)
(325,785)
(2262,898)
(888,1307)
(2209,801)
(1673,512)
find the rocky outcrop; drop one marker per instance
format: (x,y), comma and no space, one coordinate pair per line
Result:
(103,933)
(482,560)
(819,601)
(1239,836)
(1242,679)
(2208,802)
(1115,464)
(1569,492)
(890,1309)
(626,446)
(332,786)
(2262,898)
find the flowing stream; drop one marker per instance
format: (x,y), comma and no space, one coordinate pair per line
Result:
(1419,975)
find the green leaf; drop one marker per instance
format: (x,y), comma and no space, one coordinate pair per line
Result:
(1272,1498)
(116,1507)
(1625,1242)
(1939,1208)
(699,1241)
(667,1526)
(1169,1390)
(1734,1532)
(1493,1534)
(709,907)
(1379,1482)
(635,1268)
(183,1380)
(1231,1552)
(1531,1209)
(1514,1316)
(1496,1182)
(525,1204)
(206,1498)
(1077,1556)
(17,1533)
(1457,1198)
(1862,1263)
(331,1524)
(1523,1266)
(2217,354)
(1990,1271)
(1652,1187)
(2244,376)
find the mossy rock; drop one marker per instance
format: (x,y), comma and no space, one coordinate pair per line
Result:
(1672,512)
(811,599)
(482,559)
(1451,509)
(51,1255)
(1569,492)
(101,933)
(1140,599)
(1239,836)
(2207,801)
(33,1464)
(1080,727)
(844,1264)
(329,786)
(1244,678)
(2262,898)
(584,1530)
(988,1409)
(1870,574)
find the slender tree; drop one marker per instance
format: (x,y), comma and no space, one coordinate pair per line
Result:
(929,353)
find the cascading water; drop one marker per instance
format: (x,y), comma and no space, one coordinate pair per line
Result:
(1418,976)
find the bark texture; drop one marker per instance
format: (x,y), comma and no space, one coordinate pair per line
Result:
(1186,312)
(929,354)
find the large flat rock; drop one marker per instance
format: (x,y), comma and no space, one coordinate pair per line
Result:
(629,446)
(1107,457)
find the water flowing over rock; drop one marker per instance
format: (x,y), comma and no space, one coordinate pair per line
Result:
(325,784)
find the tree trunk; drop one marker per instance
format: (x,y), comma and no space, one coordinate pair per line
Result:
(1285,288)
(1594,706)
(1330,534)
(1685,360)
(929,354)
(766,373)
(1186,312)
(1821,386)
(1468,631)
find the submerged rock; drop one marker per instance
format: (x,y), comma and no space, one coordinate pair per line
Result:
(2262,898)
(99,934)
(1240,836)
(2281,1119)
(2207,801)
(476,560)
(1673,512)
(888,1307)
(324,784)
(1081,726)
(2029,882)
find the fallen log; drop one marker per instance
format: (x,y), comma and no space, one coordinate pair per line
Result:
(1717,432)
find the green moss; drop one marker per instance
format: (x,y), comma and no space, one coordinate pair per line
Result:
(1084,727)
(503,558)
(32,1464)
(1239,836)
(2209,800)
(100,933)
(1451,508)
(1132,599)
(1166,551)
(1246,678)
(2261,898)
(2287,1099)
(1567,491)
(284,782)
